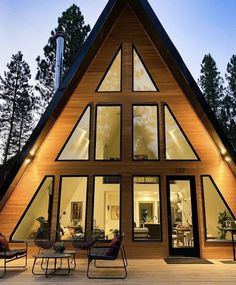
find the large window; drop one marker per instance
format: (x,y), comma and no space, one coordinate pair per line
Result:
(145,132)
(106,207)
(146,208)
(108,133)
(37,216)
(177,145)
(72,217)
(217,213)
(77,145)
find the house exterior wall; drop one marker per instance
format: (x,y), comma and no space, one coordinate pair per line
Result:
(127,31)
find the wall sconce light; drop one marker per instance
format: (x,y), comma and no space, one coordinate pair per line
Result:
(226,156)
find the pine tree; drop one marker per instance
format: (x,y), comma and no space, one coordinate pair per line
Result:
(229,107)
(212,84)
(16,110)
(72,23)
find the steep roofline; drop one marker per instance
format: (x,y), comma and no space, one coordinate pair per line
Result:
(173,59)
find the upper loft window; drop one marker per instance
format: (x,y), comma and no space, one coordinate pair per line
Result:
(142,80)
(177,145)
(77,144)
(108,133)
(111,81)
(145,132)
(217,213)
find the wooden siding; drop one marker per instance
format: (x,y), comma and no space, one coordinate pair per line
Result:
(127,31)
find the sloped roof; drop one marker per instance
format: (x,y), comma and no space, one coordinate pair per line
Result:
(170,55)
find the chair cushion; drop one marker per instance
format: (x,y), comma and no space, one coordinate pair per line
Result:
(114,246)
(4,242)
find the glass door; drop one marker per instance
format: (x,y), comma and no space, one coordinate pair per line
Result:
(182,216)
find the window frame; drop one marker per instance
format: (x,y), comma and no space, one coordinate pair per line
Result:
(50,206)
(120,48)
(120,200)
(71,133)
(182,131)
(204,211)
(59,202)
(146,69)
(158,131)
(161,218)
(95,130)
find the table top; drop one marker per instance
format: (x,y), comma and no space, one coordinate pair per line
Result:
(54,254)
(230,229)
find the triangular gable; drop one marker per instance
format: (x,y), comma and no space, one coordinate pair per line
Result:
(170,55)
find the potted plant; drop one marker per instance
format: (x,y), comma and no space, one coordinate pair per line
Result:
(223,220)
(115,232)
(59,246)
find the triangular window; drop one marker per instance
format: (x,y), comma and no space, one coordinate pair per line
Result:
(111,82)
(142,80)
(177,145)
(217,213)
(37,216)
(77,144)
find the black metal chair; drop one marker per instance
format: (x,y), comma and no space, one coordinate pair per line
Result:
(46,239)
(85,240)
(108,253)
(11,255)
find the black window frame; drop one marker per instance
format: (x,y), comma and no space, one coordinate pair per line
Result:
(158,131)
(50,205)
(161,216)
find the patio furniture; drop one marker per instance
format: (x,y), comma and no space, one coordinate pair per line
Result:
(109,254)
(64,263)
(46,239)
(85,240)
(8,255)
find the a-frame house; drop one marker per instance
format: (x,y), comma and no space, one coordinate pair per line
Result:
(129,143)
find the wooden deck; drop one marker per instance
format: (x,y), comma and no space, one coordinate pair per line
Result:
(140,271)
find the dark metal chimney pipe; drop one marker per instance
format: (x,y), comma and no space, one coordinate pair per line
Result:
(60,39)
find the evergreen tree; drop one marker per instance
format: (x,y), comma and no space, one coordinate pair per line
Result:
(212,84)
(72,23)
(229,103)
(16,110)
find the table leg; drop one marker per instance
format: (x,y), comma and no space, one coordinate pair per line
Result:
(233,245)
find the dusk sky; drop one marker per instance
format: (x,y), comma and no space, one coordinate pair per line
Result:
(196,27)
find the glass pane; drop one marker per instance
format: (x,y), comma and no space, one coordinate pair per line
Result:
(112,80)
(177,146)
(181,214)
(73,207)
(147,220)
(108,132)
(217,213)
(77,148)
(141,78)
(36,217)
(106,208)
(145,137)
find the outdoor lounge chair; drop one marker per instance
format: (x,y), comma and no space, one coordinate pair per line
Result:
(46,239)
(8,255)
(108,253)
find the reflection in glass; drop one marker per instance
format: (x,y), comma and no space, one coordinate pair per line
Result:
(36,216)
(72,207)
(112,80)
(217,213)
(106,208)
(145,137)
(181,214)
(77,148)
(146,209)
(108,132)
(177,146)
(141,78)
